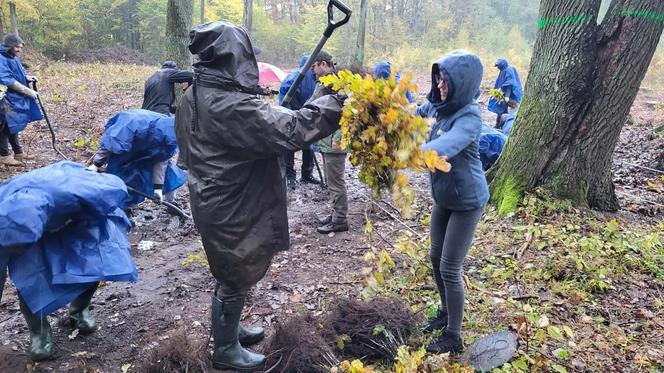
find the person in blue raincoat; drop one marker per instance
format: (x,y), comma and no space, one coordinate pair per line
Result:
(302,95)
(137,145)
(383,69)
(62,231)
(19,106)
(460,195)
(509,83)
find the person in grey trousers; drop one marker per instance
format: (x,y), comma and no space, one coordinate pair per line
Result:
(460,195)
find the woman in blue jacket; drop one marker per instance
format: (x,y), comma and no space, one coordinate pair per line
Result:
(460,195)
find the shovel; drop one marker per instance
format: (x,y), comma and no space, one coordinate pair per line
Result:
(48,122)
(178,211)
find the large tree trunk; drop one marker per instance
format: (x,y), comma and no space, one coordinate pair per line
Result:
(248,15)
(582,82)
(12,18)
(179,17)
(361,33)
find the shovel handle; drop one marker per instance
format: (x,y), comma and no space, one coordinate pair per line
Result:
(331,23)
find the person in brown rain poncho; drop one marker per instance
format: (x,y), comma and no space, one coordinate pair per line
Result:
(232,143)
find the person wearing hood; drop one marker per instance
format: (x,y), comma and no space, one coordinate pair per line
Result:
(459,196)
(509,83)
(232,143)
(20,106)
(383,70)
(304,92)
(159,92)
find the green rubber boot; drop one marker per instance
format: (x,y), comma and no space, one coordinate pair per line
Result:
(41,339)
(79,312)
(228,353)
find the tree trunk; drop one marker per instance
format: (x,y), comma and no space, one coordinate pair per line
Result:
(582,82)
(179,17)
(361,32)
(12,18)
(202,11)
(248,12)
(2,22)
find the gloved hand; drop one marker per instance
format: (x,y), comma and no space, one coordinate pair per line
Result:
(31,78)
(159,194)
(92,168)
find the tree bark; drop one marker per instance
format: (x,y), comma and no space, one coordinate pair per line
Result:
(12,18)
(202,11)
(361,33)
(582,82)
(179,17)
(248,15)
(2,22)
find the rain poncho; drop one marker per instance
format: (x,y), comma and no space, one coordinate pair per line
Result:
(137,140)
(231,142)
(457,132)
(18,110)
(383,70)
(509,122)
(492,142)
(62,228)
(304,91)
(508,79)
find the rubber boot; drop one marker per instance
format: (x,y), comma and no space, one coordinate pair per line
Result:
(228,353)
(41,339)
(79,312)
(250,336)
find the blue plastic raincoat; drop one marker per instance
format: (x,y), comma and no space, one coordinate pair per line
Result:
(304,91)
(383,70)
(492,142)
(508,78)
(18,110)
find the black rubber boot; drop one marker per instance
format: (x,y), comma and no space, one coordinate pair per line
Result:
(250,336)
(79,312)
(41,339)
(438,322)
(447,342)
(228,353)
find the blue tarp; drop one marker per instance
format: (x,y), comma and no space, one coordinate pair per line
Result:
(304,91)
(491,145)
(63,228)
(17,109)
(383,69)
(508,77)
(137,140)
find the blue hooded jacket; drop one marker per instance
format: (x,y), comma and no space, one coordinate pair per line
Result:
(508,78)
(62,228)
(456,134)
(137,140)
(383,70)
(18,110)
(304,91)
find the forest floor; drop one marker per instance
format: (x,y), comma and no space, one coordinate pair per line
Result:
(582,290)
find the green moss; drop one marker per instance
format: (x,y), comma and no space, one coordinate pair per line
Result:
(506,194)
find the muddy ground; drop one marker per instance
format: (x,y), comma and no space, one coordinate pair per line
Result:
(175,286)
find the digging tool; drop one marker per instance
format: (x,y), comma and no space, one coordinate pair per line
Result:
(48,122)
(156,200)
(331,26)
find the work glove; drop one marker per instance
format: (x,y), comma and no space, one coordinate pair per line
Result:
(21,89)
(159,195)
(31,78)
(92,168)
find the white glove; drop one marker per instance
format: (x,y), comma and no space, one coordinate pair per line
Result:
(31,78)
(92,168)
(506,98)
(159,194)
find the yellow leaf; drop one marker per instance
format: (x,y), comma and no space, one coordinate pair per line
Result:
(435,162)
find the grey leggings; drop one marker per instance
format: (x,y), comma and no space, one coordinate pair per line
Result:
(451,236)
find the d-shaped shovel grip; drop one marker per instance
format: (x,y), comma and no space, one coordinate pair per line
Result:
(331,23)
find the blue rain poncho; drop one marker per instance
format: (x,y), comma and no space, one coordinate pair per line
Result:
(508,80)
(491,145)
(509,122)
(63,228)
(18,110)
(137,140)
(304,91)
(383,69)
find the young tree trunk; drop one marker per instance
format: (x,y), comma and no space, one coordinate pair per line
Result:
(582,82)
(12,18)
(179,17)
(361,32)
(202,11)
(2,21)
(248,13)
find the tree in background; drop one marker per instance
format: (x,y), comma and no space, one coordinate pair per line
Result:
(583,80)
(361,31)
(248,15)
(179,18)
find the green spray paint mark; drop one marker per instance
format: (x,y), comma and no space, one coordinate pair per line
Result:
(543,22)
(647,14)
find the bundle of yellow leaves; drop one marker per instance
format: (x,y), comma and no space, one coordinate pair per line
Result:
(382,136)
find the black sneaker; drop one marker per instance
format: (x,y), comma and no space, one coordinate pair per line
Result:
(447,342)
(309,179)
(333,227)
(438,322)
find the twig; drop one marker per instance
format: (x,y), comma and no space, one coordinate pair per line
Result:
(644,167)
(393,217)
(524,247)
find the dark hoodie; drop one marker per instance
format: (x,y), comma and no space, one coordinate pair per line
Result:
(456,133)
(231,143)
(159,95)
